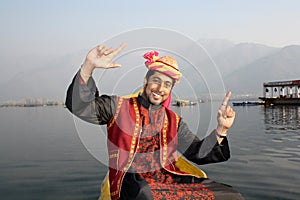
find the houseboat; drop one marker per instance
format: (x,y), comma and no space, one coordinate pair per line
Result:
(182,102)
(281,93)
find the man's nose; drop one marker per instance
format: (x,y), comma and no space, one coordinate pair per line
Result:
(160,86)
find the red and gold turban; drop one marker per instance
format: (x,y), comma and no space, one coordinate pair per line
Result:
(165,64)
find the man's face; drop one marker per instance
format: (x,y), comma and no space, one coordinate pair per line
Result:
(158,88)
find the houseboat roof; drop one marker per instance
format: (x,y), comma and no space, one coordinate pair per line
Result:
(282,83)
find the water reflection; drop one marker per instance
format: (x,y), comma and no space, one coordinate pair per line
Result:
(283,124)
(281,119)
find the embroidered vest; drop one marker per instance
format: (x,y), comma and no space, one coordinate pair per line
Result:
(123,137)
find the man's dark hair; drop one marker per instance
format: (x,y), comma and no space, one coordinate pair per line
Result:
(151,72)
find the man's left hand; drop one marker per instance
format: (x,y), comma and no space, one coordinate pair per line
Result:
(226,115)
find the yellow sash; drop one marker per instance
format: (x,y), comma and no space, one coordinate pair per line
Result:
(181,163)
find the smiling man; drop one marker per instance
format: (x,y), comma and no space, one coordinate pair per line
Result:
(144,134)
(157,88)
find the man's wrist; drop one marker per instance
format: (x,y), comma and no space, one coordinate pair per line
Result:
(221,132)
(220,135)
(84,74)
(87,67)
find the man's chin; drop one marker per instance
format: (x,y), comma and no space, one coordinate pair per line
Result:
(155,102)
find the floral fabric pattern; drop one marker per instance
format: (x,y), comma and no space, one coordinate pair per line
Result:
(163,184)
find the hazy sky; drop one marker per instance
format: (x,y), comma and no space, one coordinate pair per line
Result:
(32,28)
(64,25)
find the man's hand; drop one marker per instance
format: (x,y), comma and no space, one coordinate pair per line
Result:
(99,57)
(226,116)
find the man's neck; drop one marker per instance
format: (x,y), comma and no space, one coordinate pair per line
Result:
(146,103)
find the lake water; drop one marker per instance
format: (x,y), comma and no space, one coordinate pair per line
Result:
(43,157)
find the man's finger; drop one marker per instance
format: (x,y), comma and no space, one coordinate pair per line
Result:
(122,46)
(226,99)
(108,51)
(229,112)
(100,47)
(113,65)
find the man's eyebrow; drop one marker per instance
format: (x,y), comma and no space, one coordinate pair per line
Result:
(161,79)
(156,77)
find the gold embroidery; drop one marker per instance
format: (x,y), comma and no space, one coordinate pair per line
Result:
(135,134)
(177,120)
(116,114)
(164,154)
(115,155)
(114,193)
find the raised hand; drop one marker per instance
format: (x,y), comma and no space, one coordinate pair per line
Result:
(99,57)
(226,115)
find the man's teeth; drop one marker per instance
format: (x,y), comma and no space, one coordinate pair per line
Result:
(155,94)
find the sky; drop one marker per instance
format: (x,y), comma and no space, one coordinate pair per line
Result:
(36,31)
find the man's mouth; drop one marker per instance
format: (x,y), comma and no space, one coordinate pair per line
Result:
(156,95)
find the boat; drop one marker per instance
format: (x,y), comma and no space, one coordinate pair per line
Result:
(183,102)
(247,103)
(281,93)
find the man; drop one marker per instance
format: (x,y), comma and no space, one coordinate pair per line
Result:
(144,135)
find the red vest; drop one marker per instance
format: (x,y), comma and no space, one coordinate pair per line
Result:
(123,137)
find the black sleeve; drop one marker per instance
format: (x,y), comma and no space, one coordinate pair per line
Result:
(204,151)
(83,100)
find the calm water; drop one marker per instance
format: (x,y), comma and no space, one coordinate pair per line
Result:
(42,156)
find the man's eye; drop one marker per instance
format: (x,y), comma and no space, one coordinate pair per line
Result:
(167,85)
(155,81)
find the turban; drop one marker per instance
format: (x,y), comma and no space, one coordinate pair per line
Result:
(165,64)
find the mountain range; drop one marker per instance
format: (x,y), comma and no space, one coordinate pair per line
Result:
(246,66)
(243,67)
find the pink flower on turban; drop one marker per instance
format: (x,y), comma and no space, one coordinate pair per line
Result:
(151,57)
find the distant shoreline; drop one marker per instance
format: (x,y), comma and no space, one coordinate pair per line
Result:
(32,102)
(31,106)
